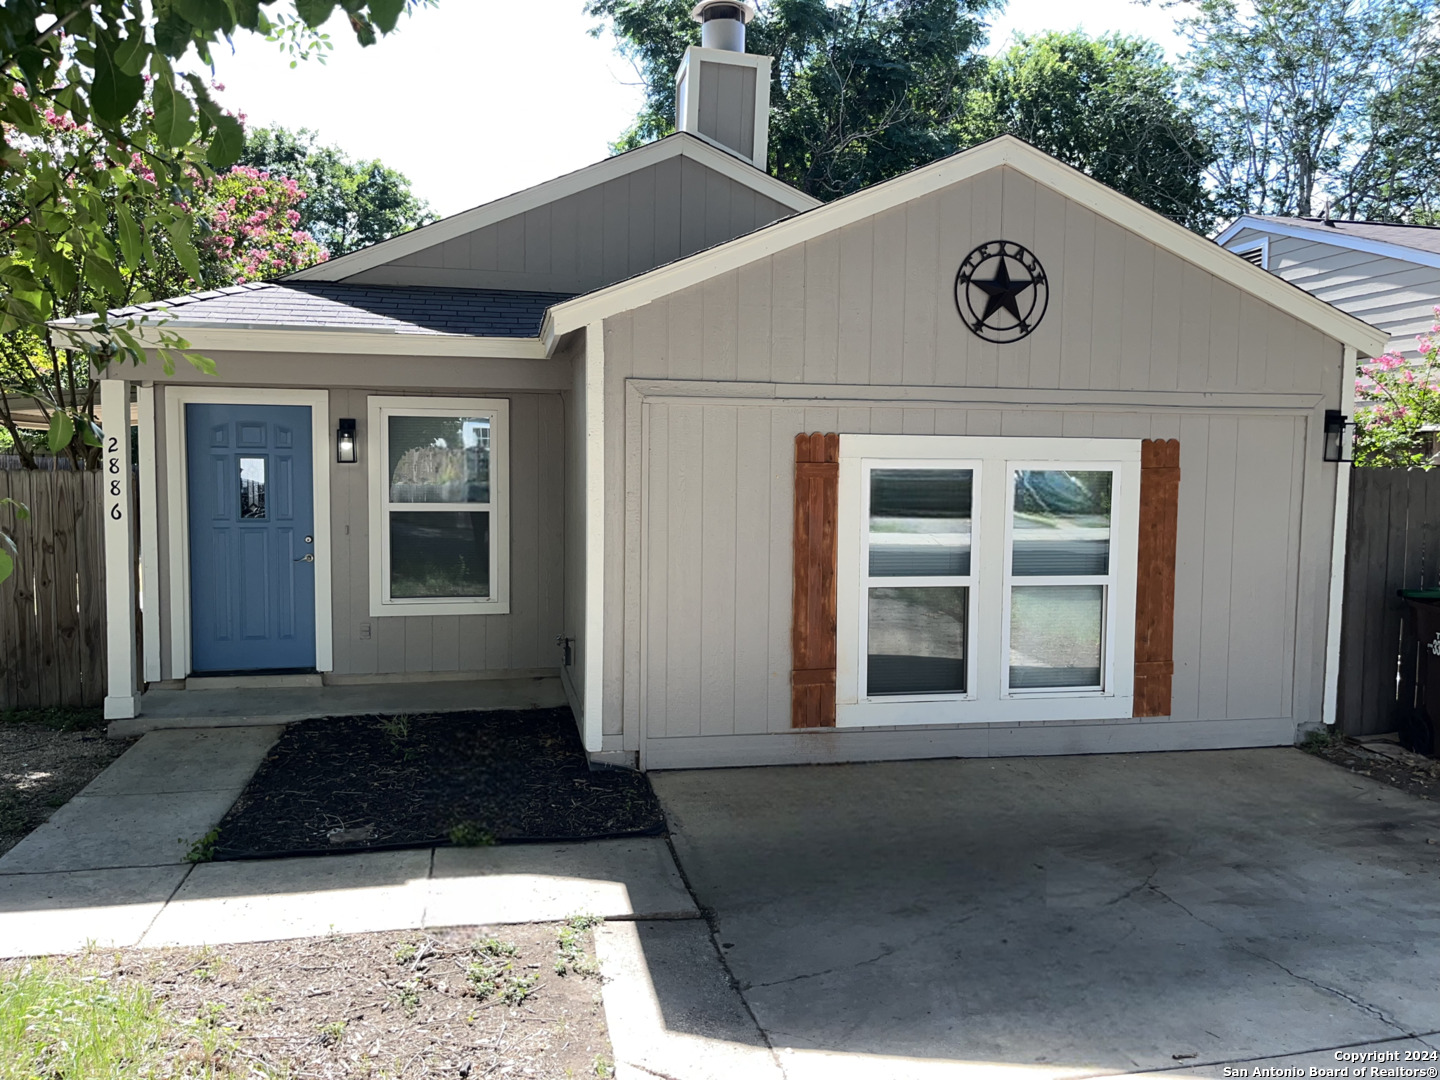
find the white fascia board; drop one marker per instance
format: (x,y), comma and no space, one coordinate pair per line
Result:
(1005,150)
(1319,234)
(468,221)
(230,338)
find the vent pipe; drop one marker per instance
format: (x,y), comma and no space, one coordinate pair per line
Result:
(722,24)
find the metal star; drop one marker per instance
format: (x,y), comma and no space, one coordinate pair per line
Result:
(1001,293)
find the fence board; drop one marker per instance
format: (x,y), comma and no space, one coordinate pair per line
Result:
(1393,543)
(52,610)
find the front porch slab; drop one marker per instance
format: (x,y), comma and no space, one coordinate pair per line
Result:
(237,707)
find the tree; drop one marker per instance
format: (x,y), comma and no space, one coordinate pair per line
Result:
(1395,399)
(256,227)
(859,92)
(350,204)
(1309,101)
(1108,106)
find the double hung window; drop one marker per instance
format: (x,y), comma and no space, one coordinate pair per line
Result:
(439,505)
(985,579)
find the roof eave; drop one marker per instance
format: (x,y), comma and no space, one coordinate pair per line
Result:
(348,341)
(1334,237)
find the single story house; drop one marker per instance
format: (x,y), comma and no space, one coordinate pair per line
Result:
(1383,272)
(986,459)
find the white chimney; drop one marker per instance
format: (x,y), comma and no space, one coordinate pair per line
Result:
(722,93)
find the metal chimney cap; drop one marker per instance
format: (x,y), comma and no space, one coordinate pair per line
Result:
(744,8)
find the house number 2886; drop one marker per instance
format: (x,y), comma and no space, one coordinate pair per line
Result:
(112,469)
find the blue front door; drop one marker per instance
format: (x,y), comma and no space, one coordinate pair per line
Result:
(252,527)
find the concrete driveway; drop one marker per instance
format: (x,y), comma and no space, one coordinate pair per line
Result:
(1099,914)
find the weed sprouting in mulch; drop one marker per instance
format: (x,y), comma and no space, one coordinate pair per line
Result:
(467,779)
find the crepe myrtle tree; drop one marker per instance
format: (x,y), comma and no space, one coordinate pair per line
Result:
(131,77)
(1396,401)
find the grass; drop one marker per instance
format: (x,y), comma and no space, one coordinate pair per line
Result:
(471,834)
(203,850)
(57,719)
(56,1023)
(571,947)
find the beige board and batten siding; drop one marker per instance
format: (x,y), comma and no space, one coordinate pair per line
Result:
(857,332)
(594,237)
(521,641)
(1397,296)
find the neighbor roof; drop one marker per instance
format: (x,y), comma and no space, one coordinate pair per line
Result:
(1414,243)
(1006,150)
(319,305)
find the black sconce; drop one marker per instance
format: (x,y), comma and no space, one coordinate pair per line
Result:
(1336,442)
(347,452)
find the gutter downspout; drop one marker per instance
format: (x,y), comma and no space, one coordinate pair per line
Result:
(1338,537)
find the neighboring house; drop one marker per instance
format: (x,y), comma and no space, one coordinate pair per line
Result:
(1386,274)
(587,429)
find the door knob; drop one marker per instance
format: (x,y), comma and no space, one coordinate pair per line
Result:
(309,539)
(306,558)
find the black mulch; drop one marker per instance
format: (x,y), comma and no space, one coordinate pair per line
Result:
(357,783)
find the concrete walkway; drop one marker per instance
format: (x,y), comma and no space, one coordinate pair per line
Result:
(1036,918)
(109,868)
(251,706)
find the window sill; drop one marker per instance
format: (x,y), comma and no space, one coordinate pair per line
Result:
(440,607)
(1088,706)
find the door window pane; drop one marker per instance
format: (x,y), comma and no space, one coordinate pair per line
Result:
(252,487)
(439,459)
(439,554)
(1055,634)
(917,641)
(920,522)
(1062,523)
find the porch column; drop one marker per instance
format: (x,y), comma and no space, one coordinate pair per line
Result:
(122,695)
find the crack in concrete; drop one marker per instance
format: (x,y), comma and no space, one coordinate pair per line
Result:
(1370,1010)
(886,952)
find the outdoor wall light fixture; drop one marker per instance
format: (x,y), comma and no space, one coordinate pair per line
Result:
(1337,443)
(347,452)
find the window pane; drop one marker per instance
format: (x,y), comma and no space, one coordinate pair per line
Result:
(252,487)
(1062,523)
(917,641)
(439,554)
(1055,633)
(439,459)
(920,522)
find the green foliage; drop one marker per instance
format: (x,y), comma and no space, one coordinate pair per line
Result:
(332,1034)
(1109,107)
(471,834)
(1312,101)
(56,1022)
(570,945)
(8,550)
(493,973)
(1395,401)
(203,849)
(348,204)
(860,92)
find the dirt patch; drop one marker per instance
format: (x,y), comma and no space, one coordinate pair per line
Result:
(372,782)
(43,763)
(1384,761)
(465,1003)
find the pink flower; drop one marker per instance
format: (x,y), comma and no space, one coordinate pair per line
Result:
(1424,344)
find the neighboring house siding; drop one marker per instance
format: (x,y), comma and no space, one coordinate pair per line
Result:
(857,332)
(1397,296)
(594,238)
(521,641)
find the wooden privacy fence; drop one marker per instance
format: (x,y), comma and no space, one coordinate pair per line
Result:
(52,610)
(1394,543)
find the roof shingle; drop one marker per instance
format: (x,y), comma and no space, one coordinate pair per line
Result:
(338,306)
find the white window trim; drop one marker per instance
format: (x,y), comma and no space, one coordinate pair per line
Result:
(1260,244)
(498,409)
(988,699)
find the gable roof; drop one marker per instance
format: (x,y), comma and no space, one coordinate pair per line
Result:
(1413,243)
(681,144)
(336,306)
(1005,150)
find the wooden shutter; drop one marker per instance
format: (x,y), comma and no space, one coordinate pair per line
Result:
(812,625)
(1155,584)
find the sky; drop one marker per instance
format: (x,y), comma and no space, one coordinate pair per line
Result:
(476,99)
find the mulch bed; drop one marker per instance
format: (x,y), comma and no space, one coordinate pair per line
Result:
(358,783)
(467,1003)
